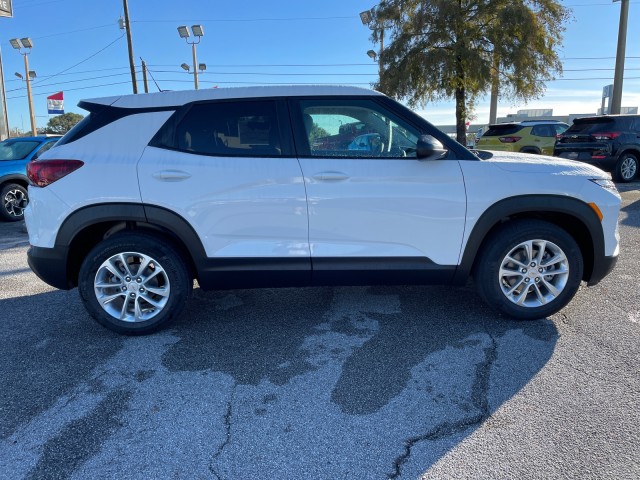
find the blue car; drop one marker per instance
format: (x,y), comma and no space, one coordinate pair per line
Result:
(15,153)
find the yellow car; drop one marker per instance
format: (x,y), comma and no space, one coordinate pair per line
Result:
(530,136)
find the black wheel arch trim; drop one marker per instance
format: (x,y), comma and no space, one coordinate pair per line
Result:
(532,204)
(131,212)
(156,216)
(630,148)
(13,178)
(530,149)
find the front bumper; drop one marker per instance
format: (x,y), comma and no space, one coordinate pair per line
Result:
(601,268)
(50,265)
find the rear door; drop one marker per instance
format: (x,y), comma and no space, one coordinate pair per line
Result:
(228,169)
(377,214)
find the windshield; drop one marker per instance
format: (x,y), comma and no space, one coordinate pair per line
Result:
(16,149)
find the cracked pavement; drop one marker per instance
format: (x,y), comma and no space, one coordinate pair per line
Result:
(323,383)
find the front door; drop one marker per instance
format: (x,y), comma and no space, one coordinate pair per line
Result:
(377,214)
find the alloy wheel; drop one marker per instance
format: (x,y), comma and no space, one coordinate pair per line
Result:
(534,273)
(132,287)
(15,202)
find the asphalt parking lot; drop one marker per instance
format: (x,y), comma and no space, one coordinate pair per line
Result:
(323,383)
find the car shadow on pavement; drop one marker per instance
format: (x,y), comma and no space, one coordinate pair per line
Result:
(384,368)
(286,379)
(633,214)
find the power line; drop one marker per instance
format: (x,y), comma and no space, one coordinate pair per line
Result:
(78,88)
(74,31)
(286,65)
(82,61)
(71,81)
(265,19)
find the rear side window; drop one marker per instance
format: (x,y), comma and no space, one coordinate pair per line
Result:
(500,130)
(245,128)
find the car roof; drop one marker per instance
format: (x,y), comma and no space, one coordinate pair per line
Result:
(527,123)
(39,138)
(177,98)
(605,117)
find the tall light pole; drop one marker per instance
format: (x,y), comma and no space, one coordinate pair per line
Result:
(198,33)
(616,99)
(367,17)
(24,46)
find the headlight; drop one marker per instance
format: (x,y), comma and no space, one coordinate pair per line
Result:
(605,183)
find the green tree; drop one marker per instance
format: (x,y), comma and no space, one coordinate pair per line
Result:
(443,49)
(61,124)
(316,133)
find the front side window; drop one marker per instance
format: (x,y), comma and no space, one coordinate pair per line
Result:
(543,131)
(43,149)
(356,128)
(247,128)
(560,128)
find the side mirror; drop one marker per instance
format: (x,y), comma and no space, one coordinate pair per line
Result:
(428,148)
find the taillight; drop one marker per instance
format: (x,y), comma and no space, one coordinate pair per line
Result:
(45,172)
(509,139)
(606,135)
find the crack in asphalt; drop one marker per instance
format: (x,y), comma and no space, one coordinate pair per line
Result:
(227,424)
(479,398)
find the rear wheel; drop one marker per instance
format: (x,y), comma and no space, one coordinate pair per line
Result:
(626,168)
(14,200)
(133,283)
(529,269)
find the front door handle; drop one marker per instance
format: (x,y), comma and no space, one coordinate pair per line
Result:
(330,176)
(171,175)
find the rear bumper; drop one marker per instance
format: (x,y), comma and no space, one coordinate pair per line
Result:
(50,265)
(601,268)
(586,152)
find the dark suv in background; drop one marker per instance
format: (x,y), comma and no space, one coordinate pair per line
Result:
(611,142)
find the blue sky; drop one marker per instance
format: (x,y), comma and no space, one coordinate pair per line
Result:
(79,49)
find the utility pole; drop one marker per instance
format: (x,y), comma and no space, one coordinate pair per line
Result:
(134,82)
(616,99)
(144,76)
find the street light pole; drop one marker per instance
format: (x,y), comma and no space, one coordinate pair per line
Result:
(198,33)
(616,99)
(195,66)
(29,96)
(24,46)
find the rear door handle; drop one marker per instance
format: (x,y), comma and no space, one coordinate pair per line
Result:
(330,176)
(171,175)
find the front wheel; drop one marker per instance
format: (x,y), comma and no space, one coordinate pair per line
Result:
(14,200)
(529,269)
(133,283)
(626,168)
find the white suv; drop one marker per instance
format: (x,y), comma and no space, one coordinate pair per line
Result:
(297,186)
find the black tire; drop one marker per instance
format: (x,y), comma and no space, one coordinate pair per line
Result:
(166,278)
(626,168)
(14,199)
(502,291)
